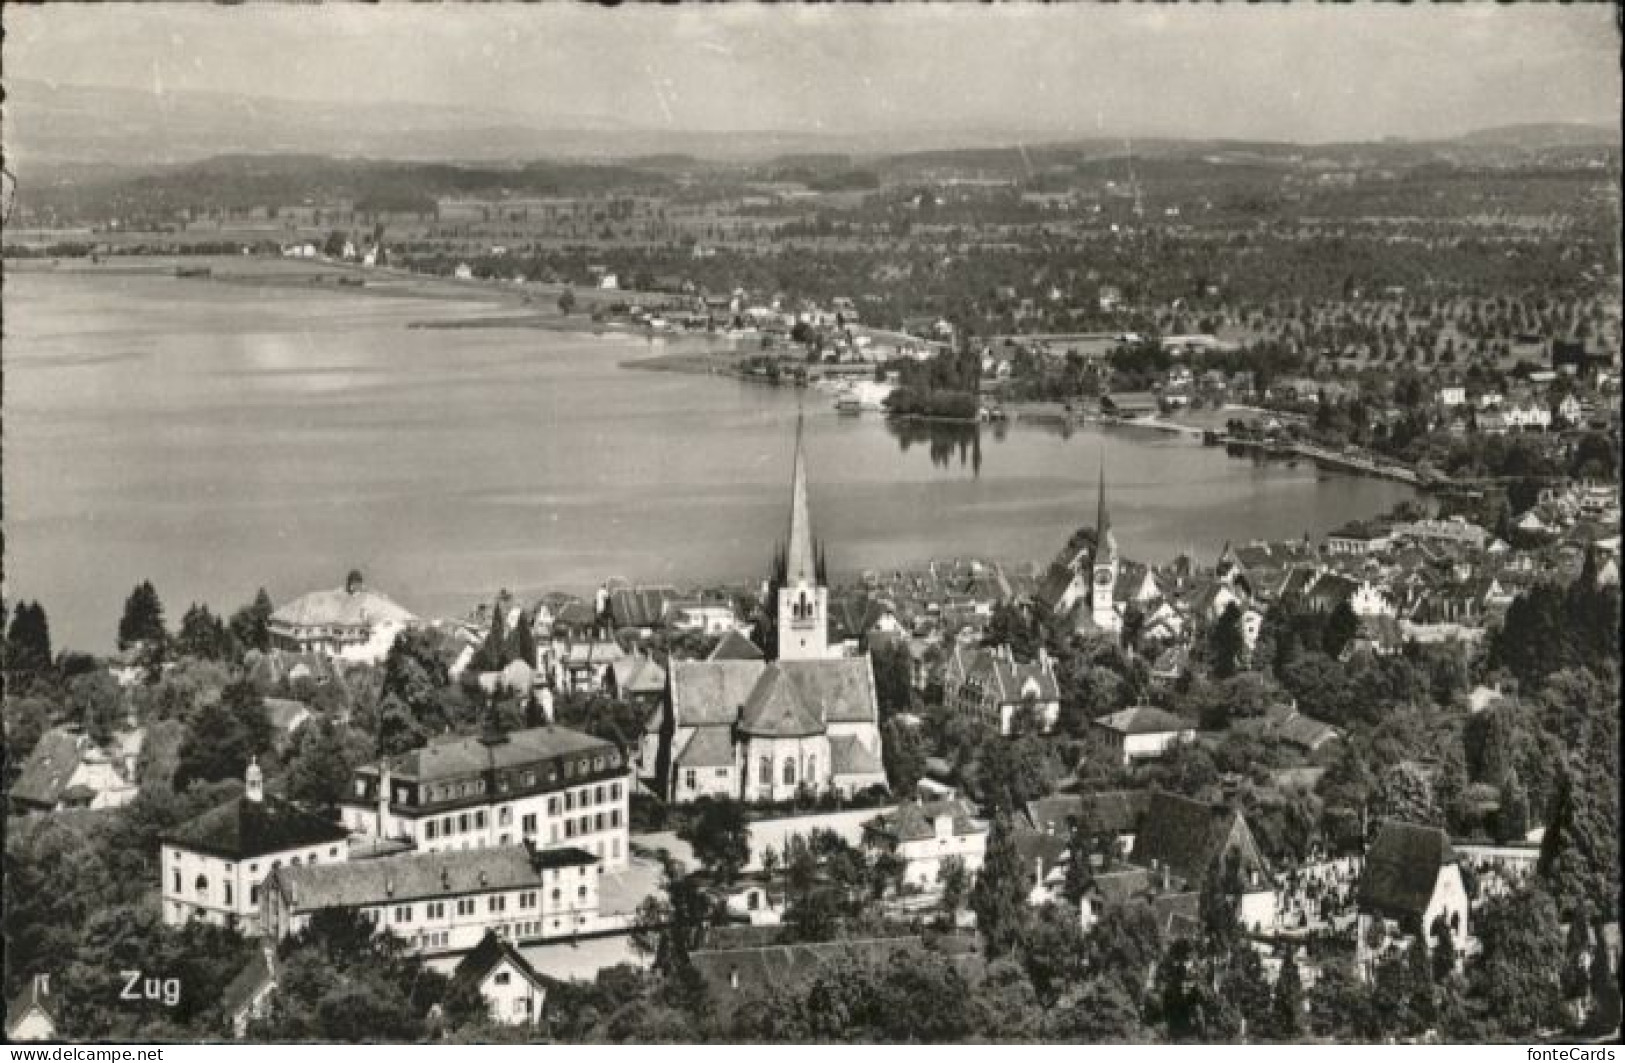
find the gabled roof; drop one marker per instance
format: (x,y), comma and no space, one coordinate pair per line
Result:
(707,747)
(1188,835)
(736,647)
(419,877)
(640,606)
(243,828)
(711,692)
(914,821)
(1144,720)
(49,768)
(255,977)
(32,996)
(775,708)
(1113,811)
(489,954)
(638,675)
(1401,868)
(849,756)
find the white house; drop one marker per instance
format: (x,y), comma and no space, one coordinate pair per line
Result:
(351,623)
(214,866)
(1143,732)
(545,785)
(444,903)
(924,835)
(512,989)
(28,1015)
(68,770)
(1528,415)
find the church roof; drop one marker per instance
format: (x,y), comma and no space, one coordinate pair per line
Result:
(849,756)
(775,708)
(1187,835)
(707,747)
(844,687)
(800,561)
(735,647)
(711,692)
(1402,867)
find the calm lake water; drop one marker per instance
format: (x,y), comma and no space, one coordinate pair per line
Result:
(214,438)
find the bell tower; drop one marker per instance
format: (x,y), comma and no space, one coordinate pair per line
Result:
(803,605)
(1103,610)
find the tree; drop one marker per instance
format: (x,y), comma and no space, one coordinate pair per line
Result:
(1404,792)
(26,721)
(1080,873)
(999,897)
(1512,820)
(904,756)
(1518,975)
(203,635)
(143,619)
(1053,951)
(1227,643)
(1287,1005)
(224,736)
(525,639)
(251,625)
(97,703)
(1341,627)
(28,644)
(323,759)
(492,655)
(955,882)
(894,678)
(720,836)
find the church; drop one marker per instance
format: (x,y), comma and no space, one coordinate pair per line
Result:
(738,725)
(1084,587)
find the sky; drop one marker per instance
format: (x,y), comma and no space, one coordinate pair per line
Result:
(1303,72)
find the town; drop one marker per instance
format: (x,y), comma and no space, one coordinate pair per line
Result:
(918,525)
(1282,791)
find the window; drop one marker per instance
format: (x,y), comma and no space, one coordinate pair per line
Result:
(530,778)
(614,817)
(528,824)
(177,888)
(569,828)
(479,820)
(789,771)
(502,978)
(615,788)
(764,774)
(497,904)
(465,906)
(527,899)
(505,816)
(254,896)
(462,822)
(333,852)
(552,806)
(598,821)
(403,914)
(598,795)
(691,779)
(202,884)
(228,893)
(437,910)
(581,893)
(429,830)
(569,801)
(294,862)
(812,771)
(556,899)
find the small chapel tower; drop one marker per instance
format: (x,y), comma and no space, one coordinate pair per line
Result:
(803,605)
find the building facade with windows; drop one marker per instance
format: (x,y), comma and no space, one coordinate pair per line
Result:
(214,867)
(445,903)
(549,786)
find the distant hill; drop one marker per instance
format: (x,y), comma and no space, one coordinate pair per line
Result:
(1537,135)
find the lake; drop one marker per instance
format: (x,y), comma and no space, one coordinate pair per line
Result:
(215,437)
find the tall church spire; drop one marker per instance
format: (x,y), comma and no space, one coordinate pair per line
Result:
(800,560)
(1103,520)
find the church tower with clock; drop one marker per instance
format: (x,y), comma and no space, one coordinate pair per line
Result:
(1103,607)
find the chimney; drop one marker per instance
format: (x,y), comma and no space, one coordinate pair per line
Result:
(254,781)
(389,887)
(353,583)
(384,781)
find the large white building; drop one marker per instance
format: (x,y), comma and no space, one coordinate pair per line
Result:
(445,903)
(923,836)
(349,622)
(548,786)
(214,866)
